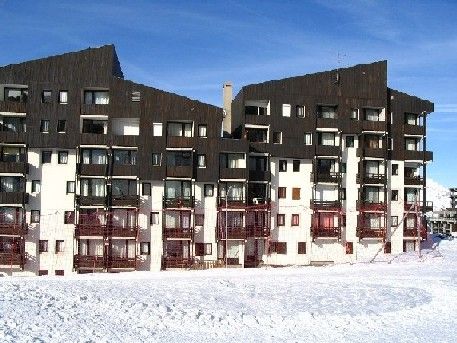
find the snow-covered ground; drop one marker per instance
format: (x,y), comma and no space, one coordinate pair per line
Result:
(408,300)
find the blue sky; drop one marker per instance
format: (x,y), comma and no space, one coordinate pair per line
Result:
(191,47)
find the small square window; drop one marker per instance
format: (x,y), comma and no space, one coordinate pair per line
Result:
(394,221)
(280,219)
(46,97)
(277,137)
(296,166)
(301,248)
(281,192)
(285,110)
(349,248)
(300,111)
(394,195)
(59,272)
(209,190)
(70,187)
(61,126)
(145,248)
(136,96)
(394,169)
(63,97)
(69,217)
(46,156)
(354,115)
(63,157)
(60,246)
(308,138)
(42,246)
(36,186)
(202,131)
(201,161)
(35,216)
(44,126)
(295,220)
(157,129)
(199,219)
(154,218)
(156,159)
(146,188)
(282,165)
(295,193)
(349,141)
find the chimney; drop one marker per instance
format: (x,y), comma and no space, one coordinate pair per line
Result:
(227,96)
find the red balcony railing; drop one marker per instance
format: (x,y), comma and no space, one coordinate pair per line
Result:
(232,232)
(13,259)
(89,261)
(115,262)
(177,262)
(370,232)
(13,229)
(326,232)
(178,232)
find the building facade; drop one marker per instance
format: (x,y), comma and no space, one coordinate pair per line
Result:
(99,173)
(444,221)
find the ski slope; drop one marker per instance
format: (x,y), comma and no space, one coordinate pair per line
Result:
(407,300)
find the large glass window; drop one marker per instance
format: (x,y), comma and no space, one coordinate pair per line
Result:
(10,184)
(179,158)
(93,156)
(94,126)
(372,114)
(93,187)
(232,190)
(16,94)
(124,187)
(12,154)
(177,189)
(327,112)
(13,124)
(232,160)
(96,97)
(124,157)
(179,129)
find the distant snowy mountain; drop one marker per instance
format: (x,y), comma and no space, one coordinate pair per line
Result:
(438,194)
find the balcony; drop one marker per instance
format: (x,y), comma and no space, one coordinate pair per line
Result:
(124,170)
(371,233)
(232,202)
(125,200)
(372,126)
(259,175)
(13,106)
(121,262)
(179,202)
(14,167)
(326,232)
(93,169)
(90,200)
(13,229)
(12,259)
(333,205)
(428,207)
(414,155)
(257,231)
(180,171)
(371,178)
(327,150)
(95,109)
(180,142)
(122,231)
(370,206)
(416,130)
(411,232)
(89,262)
(17,198)
(178,232)
(90,230)
(233,173)
(372,152)
(232,232)
(176,262)
(326,177)
(327,123)
(414,180)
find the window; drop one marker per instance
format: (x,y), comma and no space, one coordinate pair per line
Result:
(209,190)
(136,96)
(202,249)
(70,187)
(46,156)
(157,129)
(372,114)
(92,97)
(326,138)
(301,248)
(295,193)
(156,159)
(394,195)
(176,129)
(63,157)
(93,156)
(42,246)
(16,94)
(411,119)
(277,137)
(199,219)
(343,167)
(394,169)
(44,126)
(349,248)
(300,111)
(308,138)
(278,247)
(296,166)
(280,219)
(295,220)
(354,115)
(343,193)
(124,157)
(145,248)
(146,188)
(154,218)
(201,161)
(46,97)
(35,216)
(59,272)
(42,272)
(36,186)
(394,221)
(281,192)
(282,165)
(95,126)
(95,187)
(202,131)
(285,110)
(328,112)
(61,126)
(69,217)
(63,97)
(121,187)
(59,246)
(349,141)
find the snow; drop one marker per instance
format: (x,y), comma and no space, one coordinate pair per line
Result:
(406,300)
(438,194)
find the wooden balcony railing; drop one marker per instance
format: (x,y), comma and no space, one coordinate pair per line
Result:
(179,202)
(232,232)
(334,205)
(14,167)
(232,202)
(177,262)
(89,261)
(326,232)
(114,262)
(371,206)
(178,232)
(13,229)
(370,232)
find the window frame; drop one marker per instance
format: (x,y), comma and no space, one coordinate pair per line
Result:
(282,192)
(146,189)
(61,92)
(60,246)
(280,219)
(282,166)
(295,219)
(69,217)
(296,166)
(296,193)
(43,246)
(301,248)
(34,214)
(201,157)
(44,125)
(298,109)
(59,129)
(200,127)
(36,184)
(43,154)
(159,154)
(153,216)
(147,251)
(68,188)
(46,98)
(280,137)
(60,155)
(208,188)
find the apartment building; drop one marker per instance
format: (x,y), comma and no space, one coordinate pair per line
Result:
(101,174)
(444,221)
